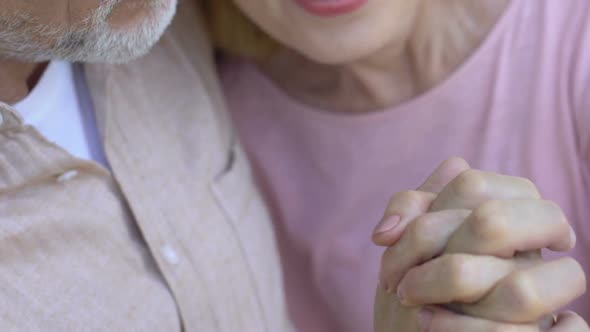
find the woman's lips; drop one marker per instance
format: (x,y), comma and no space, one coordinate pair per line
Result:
(330,7)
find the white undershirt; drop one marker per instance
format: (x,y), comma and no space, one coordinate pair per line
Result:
(61,109)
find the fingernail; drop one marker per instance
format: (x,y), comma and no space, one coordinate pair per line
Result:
(424,319)
(387,224)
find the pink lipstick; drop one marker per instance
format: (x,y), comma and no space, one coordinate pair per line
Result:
(330,7)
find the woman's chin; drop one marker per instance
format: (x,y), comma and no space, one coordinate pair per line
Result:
(344,53)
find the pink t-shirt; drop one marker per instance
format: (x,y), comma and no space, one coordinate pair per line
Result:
(519,106)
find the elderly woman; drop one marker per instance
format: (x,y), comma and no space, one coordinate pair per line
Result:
(341,103)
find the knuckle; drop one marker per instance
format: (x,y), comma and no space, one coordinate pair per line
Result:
(420,232)
(468,183)
(558,215)
(559,223)
(490,221)
(455,266)
(578,274)
(457,270)
(575,320)
(525,300)
(530,188)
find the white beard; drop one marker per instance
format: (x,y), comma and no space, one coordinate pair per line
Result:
(24,40)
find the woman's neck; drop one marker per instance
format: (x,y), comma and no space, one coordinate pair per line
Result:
(445,34)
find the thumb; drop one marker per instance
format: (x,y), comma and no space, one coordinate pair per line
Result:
(444,174)
(406,206)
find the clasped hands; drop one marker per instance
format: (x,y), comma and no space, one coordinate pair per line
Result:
(463,253)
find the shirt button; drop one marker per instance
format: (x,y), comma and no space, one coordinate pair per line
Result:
(170,255)
(67,176)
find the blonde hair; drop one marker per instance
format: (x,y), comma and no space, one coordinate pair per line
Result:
(233,32)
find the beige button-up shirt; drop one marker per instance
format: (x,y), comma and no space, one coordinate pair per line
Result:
(176,238)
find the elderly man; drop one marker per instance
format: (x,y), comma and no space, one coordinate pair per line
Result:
(174,235)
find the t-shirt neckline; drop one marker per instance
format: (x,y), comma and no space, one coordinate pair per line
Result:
(41,100)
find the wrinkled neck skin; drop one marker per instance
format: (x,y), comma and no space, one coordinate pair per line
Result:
(18,79)
(444,34)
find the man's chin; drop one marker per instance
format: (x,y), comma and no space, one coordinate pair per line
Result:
(114,43)
(98,41)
